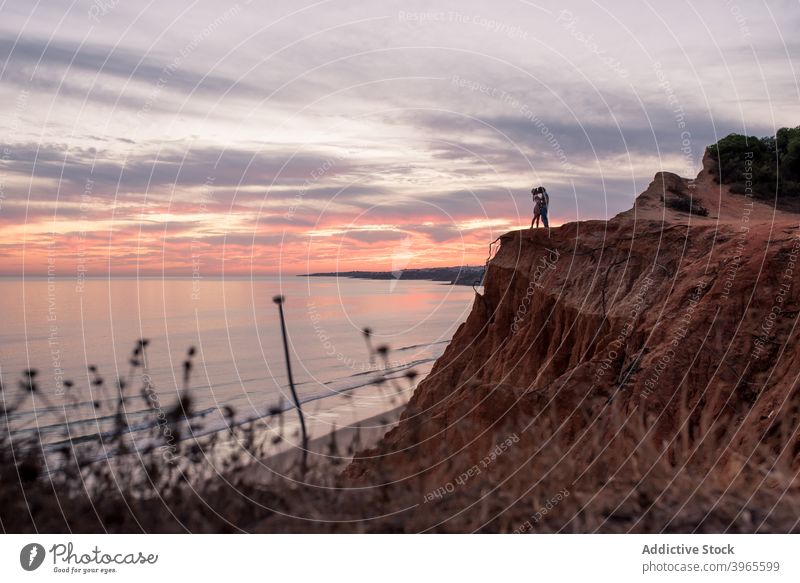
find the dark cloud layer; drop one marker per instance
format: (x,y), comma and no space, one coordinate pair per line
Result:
(364,122)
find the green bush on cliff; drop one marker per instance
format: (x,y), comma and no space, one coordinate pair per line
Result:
(771,163)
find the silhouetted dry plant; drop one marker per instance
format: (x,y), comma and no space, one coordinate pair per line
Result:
(617,476)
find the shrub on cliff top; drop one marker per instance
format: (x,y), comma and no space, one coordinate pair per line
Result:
(685,204)
(771,163)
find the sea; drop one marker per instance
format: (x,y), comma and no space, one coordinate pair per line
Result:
(74,341)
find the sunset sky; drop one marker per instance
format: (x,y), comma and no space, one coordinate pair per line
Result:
(276,137)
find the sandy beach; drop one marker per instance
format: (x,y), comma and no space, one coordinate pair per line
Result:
(353,422)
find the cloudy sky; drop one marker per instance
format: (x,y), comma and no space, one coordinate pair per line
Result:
(273,137)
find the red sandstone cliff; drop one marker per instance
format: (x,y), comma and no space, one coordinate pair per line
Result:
(683,322)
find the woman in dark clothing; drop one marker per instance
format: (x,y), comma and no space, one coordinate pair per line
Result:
(541,200)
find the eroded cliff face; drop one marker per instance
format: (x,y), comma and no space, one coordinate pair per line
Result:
(679,319)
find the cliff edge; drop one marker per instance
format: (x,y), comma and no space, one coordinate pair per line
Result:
(671,325)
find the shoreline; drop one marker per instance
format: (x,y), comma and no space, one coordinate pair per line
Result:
(370,431)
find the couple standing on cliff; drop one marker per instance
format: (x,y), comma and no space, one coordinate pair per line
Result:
(541,200)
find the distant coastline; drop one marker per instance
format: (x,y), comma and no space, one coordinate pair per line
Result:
(462,275)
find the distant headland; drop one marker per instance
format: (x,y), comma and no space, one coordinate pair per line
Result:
(461,275)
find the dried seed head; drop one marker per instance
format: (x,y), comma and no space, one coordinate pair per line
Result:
(28,470)
(28,385)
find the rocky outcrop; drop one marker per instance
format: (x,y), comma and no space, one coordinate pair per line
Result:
(680,319)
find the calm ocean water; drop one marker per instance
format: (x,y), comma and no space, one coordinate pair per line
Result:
(61,329)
